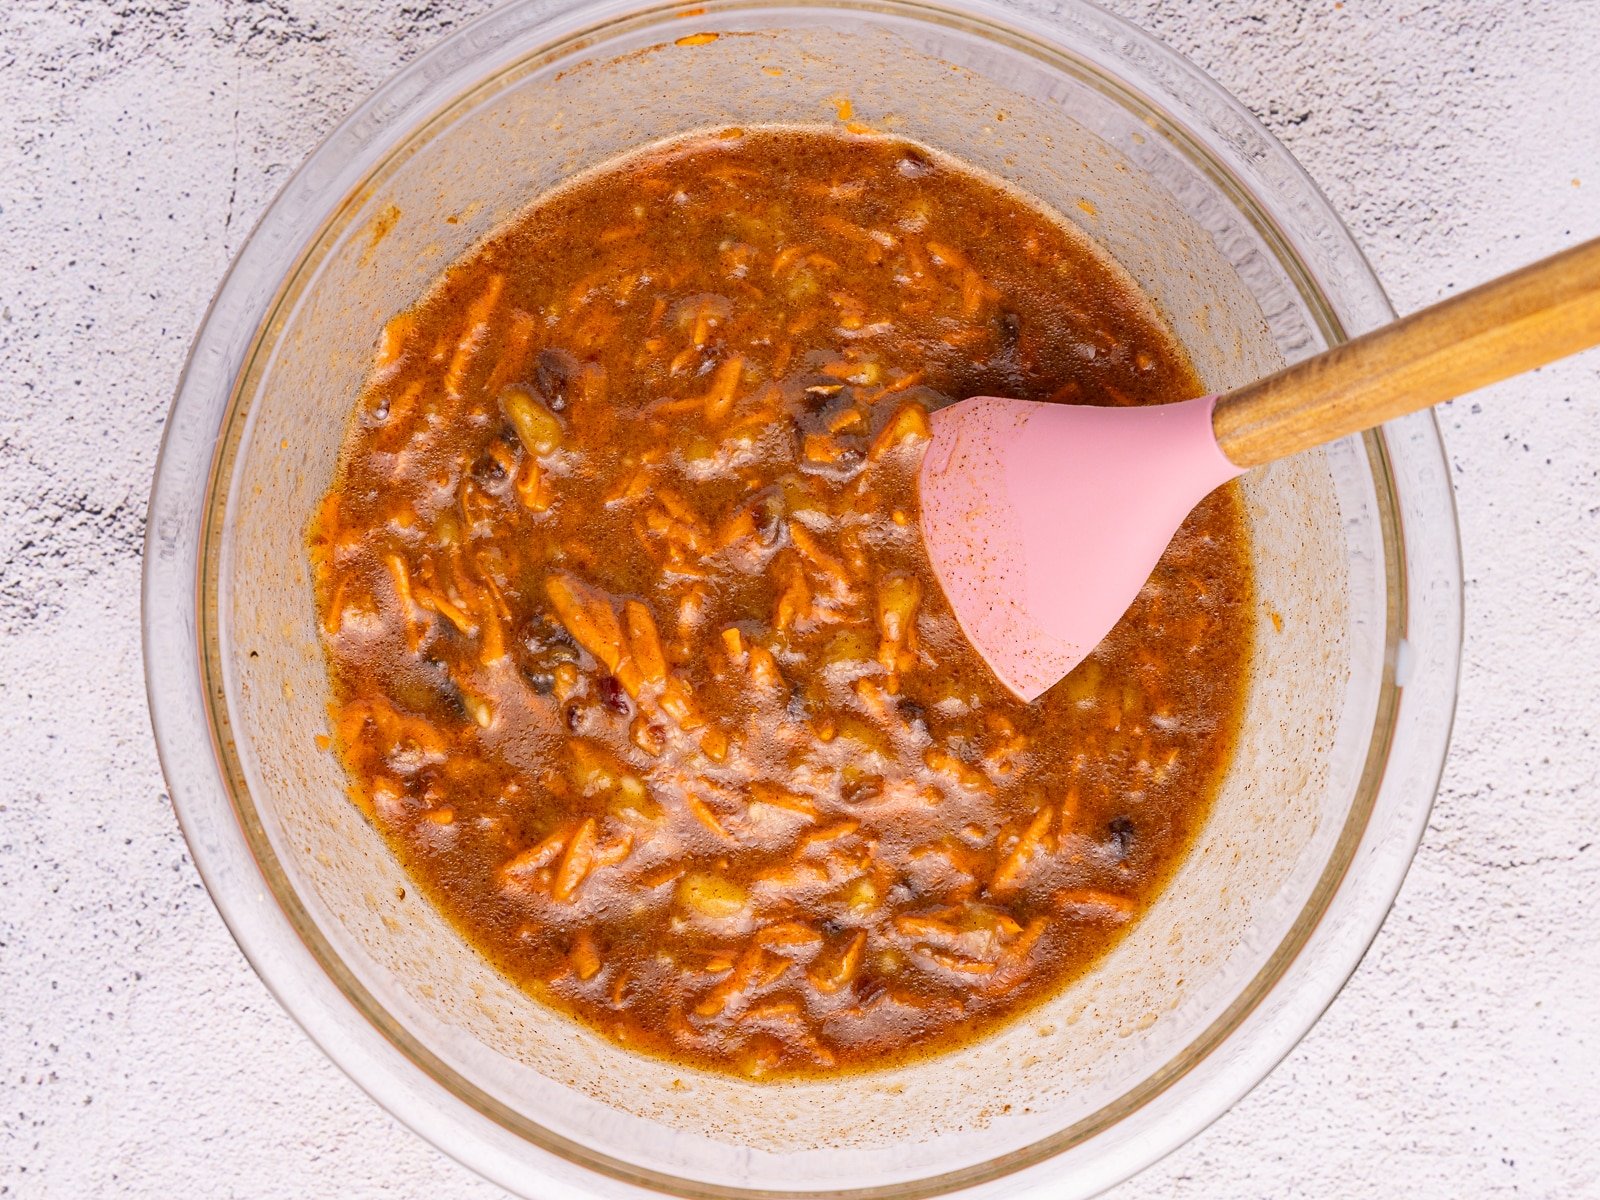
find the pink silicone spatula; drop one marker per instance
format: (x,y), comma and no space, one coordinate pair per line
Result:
(1043,521)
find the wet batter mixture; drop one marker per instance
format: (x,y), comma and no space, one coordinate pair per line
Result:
(639,664)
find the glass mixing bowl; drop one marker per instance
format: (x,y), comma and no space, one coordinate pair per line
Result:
(1358,619)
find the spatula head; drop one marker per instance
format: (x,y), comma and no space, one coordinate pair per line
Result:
(1043,521)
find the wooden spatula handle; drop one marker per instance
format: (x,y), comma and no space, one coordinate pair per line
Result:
(1508,325)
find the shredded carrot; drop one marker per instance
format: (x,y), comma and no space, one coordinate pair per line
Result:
(588,616)
(576,863)
(474,335)
(705,816)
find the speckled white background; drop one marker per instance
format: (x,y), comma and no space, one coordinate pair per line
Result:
(139,1056)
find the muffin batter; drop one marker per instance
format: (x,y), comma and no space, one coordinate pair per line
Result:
(640,666)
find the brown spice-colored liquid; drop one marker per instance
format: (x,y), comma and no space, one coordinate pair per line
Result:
(639,664)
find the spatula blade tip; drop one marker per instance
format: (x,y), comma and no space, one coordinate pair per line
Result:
(1042,522)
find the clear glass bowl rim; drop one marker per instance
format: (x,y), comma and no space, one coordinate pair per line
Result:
(188,709)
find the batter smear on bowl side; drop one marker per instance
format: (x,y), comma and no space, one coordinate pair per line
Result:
(639,665)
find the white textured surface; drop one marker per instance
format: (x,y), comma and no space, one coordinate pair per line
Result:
(139,1056)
